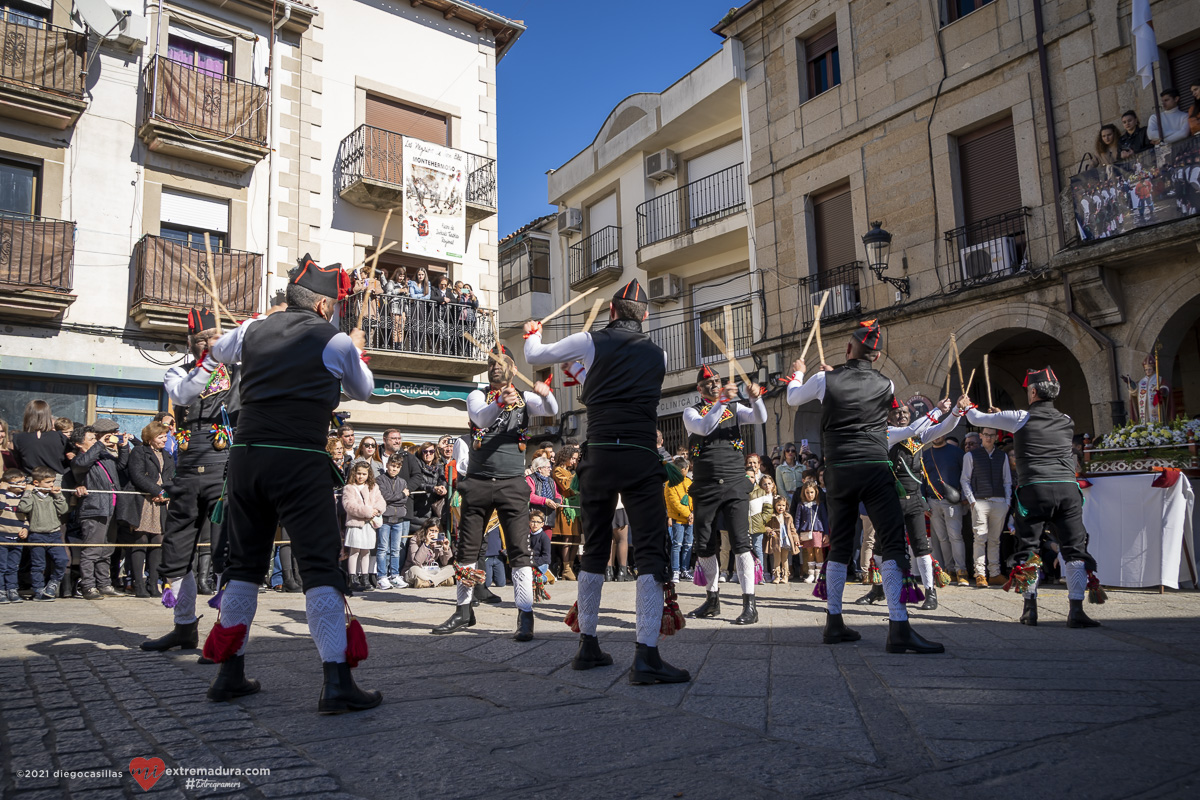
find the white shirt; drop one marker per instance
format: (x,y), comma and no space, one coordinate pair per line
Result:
(461,454)
(184,386)
(1174,126)
(799,392)
(703,424)
(482,413)
(927,427)
(576,347)
(1011,421)
(969,469)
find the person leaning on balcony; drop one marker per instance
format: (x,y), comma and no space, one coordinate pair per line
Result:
(396,290)
(1107,148)
(1194,111)
(1172,124)
(1134,140)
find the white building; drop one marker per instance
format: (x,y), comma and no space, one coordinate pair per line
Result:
(180,127)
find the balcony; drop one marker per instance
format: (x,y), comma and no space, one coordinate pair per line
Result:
(370,174)
(987,251)
(688,347)
(596,260)
(163,291)
(421,337)
(202,116)
(696,220)
(41,74)
(844,301)
(37,260)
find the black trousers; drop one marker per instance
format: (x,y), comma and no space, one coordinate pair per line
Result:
(638,476)
(914,525)
(509,498)
(268,487)
(728,500)
(874,486)
(1060,505)
(193,496)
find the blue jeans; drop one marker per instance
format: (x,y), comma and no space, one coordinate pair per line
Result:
(681,545)
(493,570)
(38,555)
(389,540)
(756,540)
(276,578)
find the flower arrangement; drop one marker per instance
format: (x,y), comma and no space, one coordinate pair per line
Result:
(1163,441)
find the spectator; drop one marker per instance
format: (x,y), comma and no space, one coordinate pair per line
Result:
(39,445)
(679,523)
(493,559)
(762,496)
(1194,111)
(397,300)
(419,289)
(812,528)
(971,441)
(346,435)
(150,468)
(14,528)
(172,448)
(427,485)
(337,453)
(393,445)
(393,534)
(428,558)
(446,449)
(662,451)
(782,541)
(1174,124)
(788,474)
(96,470)
(1108,149)
(542,490)
(44,507)
(364,506)
(539,544)
(618,556)
(1134,140)
(754,468)
(986,485)
(7,456)
(567,527)
(942,467)
(368,451)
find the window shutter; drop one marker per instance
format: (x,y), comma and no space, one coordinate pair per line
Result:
(987,166)
(404,119)
(195,211)
(833,218)
(1185,71)
(820,44)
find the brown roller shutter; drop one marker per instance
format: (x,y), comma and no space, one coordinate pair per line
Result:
(407,120)
(987,167)
(833,219)
(1185,71)
(821,43)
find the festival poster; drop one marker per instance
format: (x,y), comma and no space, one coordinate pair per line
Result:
(435,210)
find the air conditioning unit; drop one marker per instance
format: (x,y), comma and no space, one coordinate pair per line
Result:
(131,34)
(570,220)
(661,165)
(665,287)
(982,261)
(843,299)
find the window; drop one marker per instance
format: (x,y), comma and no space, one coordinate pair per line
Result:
(957,9)
(185,218)
(397,117)
(821,62)
(525,267)
(987,170)
(209,57)
(1185,71)
(18,189)
(29,14)
(833,229)
(132,405)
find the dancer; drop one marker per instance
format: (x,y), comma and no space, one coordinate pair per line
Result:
(720,487)
(622,373)
(855,400)
(495,481)
(295,366)
(1047,491)
(205,395)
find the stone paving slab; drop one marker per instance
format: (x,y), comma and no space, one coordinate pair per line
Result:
(771,712)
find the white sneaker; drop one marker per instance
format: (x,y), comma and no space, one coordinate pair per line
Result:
(385,583)
(675,577)
(399,583)
(811,578)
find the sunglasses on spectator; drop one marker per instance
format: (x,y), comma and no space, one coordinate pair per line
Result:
(368,446)
(428,452)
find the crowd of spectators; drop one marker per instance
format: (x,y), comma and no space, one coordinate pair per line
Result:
(417,314)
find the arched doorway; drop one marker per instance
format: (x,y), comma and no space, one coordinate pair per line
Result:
(1179,358)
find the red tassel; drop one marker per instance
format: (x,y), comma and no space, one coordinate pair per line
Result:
(1095,591)
(672,618)
(572,617)
(223,643)
(356,643)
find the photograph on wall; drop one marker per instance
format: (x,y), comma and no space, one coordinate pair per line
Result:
(435,211)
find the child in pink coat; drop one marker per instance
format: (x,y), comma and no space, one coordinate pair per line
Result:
(364,506)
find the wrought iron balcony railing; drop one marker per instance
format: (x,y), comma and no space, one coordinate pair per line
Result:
(159,276)
(401,324)
(844,301)
(46,58)
(37,252)
(218,106)
(694,204)
(989,250)
(596,259)
(688,347)
(481,180)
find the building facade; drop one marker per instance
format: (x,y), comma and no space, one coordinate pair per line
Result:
(258,129)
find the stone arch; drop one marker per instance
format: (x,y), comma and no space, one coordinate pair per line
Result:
(1172,319)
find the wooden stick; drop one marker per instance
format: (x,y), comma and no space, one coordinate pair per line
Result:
(970,380)
(727,322)
(212,278)
(816,323)
(218,307)
(704,326)
(495,357)
(568,304)
(947,380)
(987,380)
(379,248)
(957,359)
(599,304)
(820,347)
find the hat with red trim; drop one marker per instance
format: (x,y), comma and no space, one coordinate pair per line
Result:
(1040,376)
(328,281)
(632,291)
(896,403)
(706,372)
(201,319)
(868,334)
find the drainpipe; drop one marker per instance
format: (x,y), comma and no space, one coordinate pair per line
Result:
(272,165)
(1117,405)
(1051,130)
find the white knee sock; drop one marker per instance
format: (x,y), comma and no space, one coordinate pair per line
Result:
(463,594)
(1076,575)
(589,585)
(523,588)
(835,585)
(925,567)
(745,572)
(649,610)
(709,565)
(893,584)
(238,605)
(1031,592)
(326,610)
(185,599)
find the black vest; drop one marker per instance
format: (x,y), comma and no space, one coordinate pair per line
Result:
(987,472)
(1043,445)
(906,463)
(287,393)
(854,414)
(198,417)
(499,454)
(720,454)
(623,386)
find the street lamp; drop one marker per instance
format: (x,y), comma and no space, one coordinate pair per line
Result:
(878,243)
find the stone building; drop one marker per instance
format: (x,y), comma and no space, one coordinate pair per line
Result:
(961,126)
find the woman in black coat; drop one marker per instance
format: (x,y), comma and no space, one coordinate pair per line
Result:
(144,516)
(427,486)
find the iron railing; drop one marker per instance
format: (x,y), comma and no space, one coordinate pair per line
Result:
(376,154)
(845,299)
(989,250)
(481,181)
(688,347)
(35,251)
(694,204)
(160,277)
(596,255)
(517,263)
(222,108)
(401,324)
(46,58)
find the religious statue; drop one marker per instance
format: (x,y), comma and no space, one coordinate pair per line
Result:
(1149,398)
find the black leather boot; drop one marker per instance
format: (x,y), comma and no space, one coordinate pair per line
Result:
(1029,614)
(231,681)
(711,607)
(836,630)
(340,693)
(930,603)
(902,638)
(482,594)
(463,617)
(590,655)
(749,614)
(185,637)
(289,582)
(623,574)
(648,667)
(524,626)
(1077,619)
(872,597)
(608,573)
(364,585)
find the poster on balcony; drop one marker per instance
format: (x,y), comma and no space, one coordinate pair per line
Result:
(435,207)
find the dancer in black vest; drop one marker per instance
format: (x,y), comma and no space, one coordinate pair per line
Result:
(495,482)
(205,394)
(295,366)
(622,373)
(720,487)
(905,438)
(1047,491)
(855,400)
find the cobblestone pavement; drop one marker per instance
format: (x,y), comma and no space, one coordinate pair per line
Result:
(771,713)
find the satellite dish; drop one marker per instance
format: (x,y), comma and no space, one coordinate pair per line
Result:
(99,15)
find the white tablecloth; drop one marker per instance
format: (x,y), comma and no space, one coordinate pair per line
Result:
(1136,530)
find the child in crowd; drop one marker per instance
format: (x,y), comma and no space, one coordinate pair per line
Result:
(393,534)
(14,528)
(44,507)
(783,543)
(97,472)
(539,543)
(364,506)
(429,558)
(493,559)
(812,526)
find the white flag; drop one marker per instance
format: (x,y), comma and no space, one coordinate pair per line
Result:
(1145,43)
